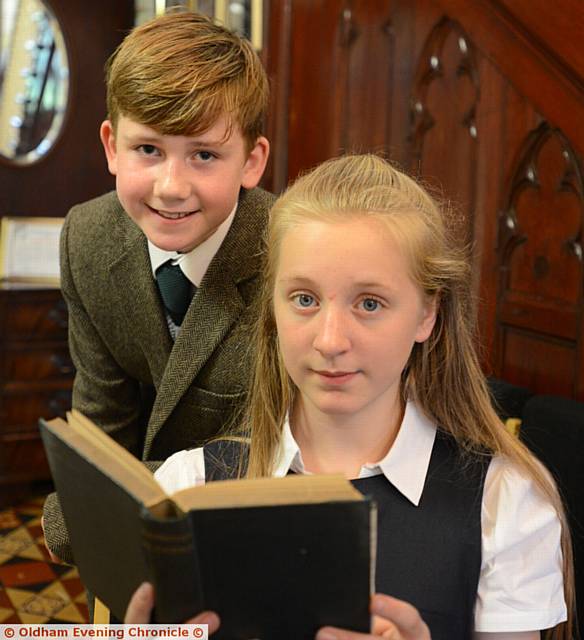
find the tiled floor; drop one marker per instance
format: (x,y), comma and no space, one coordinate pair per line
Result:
(33,590)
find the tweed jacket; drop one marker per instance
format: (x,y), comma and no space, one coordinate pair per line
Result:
(154,396)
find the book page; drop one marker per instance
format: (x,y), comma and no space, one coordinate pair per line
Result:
(292,489)
(108,456)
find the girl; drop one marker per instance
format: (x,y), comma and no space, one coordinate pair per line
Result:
(365,366)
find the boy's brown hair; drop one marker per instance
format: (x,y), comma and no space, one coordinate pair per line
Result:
(180,72)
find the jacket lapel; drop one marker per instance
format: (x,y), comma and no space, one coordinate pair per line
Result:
(131,273)
(215,308)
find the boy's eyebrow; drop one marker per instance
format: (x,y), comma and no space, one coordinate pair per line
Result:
(148,138)
(197,142)
(143,137)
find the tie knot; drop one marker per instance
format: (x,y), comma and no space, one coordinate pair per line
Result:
(175,289)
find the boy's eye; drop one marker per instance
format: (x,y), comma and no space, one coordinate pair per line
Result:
(205,156)
(147,149)
(370,304)
(303,300)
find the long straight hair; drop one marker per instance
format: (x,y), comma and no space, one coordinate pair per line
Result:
(443,374)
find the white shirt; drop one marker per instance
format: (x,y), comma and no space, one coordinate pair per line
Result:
(193,264)
(520,585)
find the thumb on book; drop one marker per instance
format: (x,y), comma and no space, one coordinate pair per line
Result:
(140,605)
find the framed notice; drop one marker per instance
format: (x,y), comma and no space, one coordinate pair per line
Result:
(29,249)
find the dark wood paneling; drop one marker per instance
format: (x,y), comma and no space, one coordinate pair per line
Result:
(459,100)
(36,375)
(539,363)
(444,103)
(313,113)
(276,59)
(541,262)
(555,28)
(531,68)
(366,90)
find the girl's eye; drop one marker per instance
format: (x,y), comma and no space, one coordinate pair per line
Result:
(303,300)
(370,304)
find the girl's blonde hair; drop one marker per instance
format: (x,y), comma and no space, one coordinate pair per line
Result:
(443,374)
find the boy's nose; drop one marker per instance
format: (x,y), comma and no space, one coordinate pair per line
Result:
(332,337)
(172,182)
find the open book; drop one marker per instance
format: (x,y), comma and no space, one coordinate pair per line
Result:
(276,558)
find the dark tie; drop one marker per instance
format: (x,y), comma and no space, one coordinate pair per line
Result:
(175,289)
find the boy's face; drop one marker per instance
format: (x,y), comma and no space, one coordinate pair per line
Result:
(179,189)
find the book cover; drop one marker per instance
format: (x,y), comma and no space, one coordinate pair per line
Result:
(275,558)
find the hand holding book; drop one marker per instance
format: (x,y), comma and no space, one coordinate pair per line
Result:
(391,618)
(142,602)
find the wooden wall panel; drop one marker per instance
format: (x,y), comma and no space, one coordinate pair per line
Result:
(457,92)
(529,64)
(555,28)
(541,262)
(540,363)
(313,116)
(365,95)
(443,107)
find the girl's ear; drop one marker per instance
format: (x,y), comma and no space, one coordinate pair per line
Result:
(108,140)
(428,319)
(255,163)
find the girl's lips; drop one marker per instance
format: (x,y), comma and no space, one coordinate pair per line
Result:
(336,377)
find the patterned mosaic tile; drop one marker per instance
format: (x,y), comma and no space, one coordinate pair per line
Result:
(34,590)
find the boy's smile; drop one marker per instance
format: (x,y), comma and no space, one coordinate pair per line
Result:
(169,215)
(179,189)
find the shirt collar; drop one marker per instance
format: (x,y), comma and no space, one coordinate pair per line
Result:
(405,465)
(195,263)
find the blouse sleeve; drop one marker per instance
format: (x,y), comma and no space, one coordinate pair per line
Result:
(182,470)
(521,581)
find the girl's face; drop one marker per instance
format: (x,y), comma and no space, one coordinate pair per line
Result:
(347,314)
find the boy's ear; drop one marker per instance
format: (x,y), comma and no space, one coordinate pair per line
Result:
(255,163)
(108,140)
(428,319)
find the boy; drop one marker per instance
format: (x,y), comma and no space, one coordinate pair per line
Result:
(161,372)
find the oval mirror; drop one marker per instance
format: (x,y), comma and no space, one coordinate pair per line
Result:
(34,80)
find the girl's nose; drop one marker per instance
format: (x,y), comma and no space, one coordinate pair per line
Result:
(332,337)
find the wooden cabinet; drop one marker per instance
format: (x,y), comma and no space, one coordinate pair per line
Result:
(36,376)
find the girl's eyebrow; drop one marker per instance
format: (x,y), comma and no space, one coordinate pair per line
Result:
(371,284)
(361,284)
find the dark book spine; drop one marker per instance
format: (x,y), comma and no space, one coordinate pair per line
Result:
(171,553)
